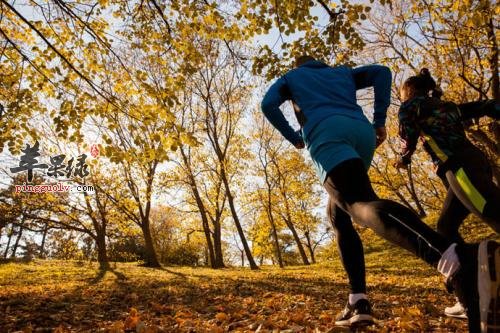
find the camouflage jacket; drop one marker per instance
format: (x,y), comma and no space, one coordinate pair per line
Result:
(437,123)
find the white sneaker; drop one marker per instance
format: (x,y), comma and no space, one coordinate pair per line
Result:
(456,311)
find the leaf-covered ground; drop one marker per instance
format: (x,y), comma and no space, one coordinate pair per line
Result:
(70,296)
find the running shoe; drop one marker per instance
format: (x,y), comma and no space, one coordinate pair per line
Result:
(456,311)
(358,314)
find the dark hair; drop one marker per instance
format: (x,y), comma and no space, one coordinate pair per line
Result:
(303,59)
(421,84)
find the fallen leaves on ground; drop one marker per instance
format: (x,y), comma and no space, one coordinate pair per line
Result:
(65,296)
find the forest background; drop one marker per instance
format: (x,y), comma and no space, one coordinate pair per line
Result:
(163,100)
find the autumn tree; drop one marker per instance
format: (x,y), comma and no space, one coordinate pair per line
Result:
(285,187)
(222,90)
(195,174)
(176,241)
(456,41)
(25,212)
(122,70)
(61,50)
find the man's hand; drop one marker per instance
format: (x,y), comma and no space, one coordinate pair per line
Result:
(400,165)
(381,134)
(300,145)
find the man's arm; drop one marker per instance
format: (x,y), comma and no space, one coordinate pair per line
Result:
(380,78)
(275,96)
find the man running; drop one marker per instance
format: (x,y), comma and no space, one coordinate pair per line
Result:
(341,142)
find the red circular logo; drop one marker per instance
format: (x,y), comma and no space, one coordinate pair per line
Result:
(94,151)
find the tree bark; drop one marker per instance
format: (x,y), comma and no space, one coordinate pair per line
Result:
(151,259)
(208,238)
(310,247)
(237,220)
(287,218)
(296,237)
(270,216)
(202,210)
(100,229)
(493,61)
(18,238)
(7,246)
(102,254)
(276,241)
(206,227)
(289,223)
(219,259)
(42,245)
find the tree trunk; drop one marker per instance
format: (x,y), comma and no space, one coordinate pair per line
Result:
(102,254)
(302,252)
(151,259)
(242,258)
(11,232)
(296,237)
(493,61)
(310,247)
(276,243)
(273,228)
(205,252)
(203,212)
(208,238)
(18,238)
(44,237)
(288,220)
(311,252)
(219,259)
(237,220)
(206,226)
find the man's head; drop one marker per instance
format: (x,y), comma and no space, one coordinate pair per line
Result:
(303,59)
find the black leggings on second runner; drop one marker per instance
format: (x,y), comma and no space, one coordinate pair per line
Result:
(470,190)
(350,190)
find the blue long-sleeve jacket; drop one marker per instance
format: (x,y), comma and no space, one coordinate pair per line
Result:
(321,91)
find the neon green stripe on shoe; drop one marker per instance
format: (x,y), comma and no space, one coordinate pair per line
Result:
(472,193)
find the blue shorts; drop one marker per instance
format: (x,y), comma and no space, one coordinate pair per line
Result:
(339,138)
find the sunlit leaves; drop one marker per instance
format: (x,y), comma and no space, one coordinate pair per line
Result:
(335,41)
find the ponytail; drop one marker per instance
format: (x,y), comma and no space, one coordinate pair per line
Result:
(427,83)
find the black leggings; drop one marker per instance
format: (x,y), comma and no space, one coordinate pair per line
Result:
(352,196)
(470,190)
